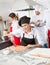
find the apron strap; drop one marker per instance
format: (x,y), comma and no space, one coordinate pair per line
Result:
(23,35)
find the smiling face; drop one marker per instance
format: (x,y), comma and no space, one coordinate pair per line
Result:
(26,27)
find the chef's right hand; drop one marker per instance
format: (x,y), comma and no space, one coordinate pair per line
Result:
(29,46)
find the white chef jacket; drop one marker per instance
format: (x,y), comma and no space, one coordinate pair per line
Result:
(40,30)
(30,35)
(47,18)
(15,27)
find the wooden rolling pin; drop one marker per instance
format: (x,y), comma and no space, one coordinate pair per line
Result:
(40,55)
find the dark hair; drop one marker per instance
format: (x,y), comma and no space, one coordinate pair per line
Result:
(12,15)
(17,18)
(23,20)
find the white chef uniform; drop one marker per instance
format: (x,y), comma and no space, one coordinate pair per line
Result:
(41,29)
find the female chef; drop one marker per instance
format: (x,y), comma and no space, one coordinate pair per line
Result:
(28,34)
(14,28)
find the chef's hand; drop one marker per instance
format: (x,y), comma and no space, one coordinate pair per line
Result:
(19,48)
(30,46)
(37,23)
(8,34)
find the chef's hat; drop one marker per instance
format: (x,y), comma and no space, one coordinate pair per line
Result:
(24,20)
(38,8)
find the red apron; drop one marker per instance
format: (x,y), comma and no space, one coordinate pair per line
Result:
(49,38)
(16,40)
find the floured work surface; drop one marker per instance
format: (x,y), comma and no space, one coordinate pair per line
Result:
(39,52)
